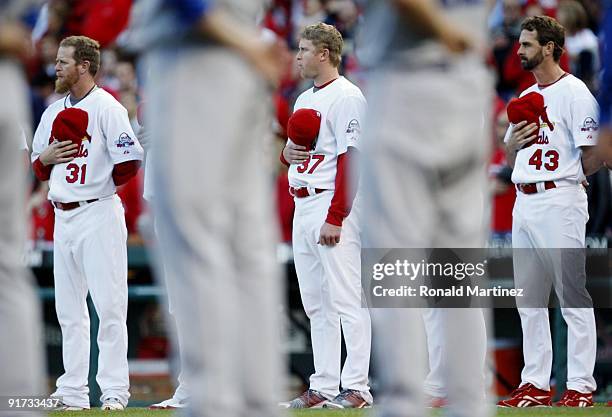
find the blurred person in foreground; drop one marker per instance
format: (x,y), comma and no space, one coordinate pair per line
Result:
(424,179)
(209,110)
(604,145)
(20,317)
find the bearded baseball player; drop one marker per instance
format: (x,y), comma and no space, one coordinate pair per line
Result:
(85,146)
(551,158)
(326,241)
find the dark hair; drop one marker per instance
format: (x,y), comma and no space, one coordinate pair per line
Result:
(548,30)
(85,49)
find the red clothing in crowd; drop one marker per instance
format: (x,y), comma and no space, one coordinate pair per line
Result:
(502,205)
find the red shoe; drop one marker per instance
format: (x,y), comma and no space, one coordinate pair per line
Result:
(527,396)
(572,398)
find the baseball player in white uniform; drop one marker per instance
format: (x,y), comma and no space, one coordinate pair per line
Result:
(551,212)
(21,353)
(326,240)
(424,181)
(90,252)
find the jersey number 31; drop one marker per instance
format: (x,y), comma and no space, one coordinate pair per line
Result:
(551,163)
(76,173)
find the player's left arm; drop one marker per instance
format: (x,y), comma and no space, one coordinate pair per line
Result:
(348,122)
(123,146)
(585,129)
(591,160)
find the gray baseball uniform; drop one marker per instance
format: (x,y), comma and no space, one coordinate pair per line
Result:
(424,179)
(209,112)
(20,317)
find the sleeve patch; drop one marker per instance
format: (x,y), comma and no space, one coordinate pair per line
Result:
(124,141)
(353,129)
(589,125)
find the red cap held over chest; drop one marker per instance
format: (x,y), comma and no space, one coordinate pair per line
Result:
(529,108)
(303,127)
(70,124)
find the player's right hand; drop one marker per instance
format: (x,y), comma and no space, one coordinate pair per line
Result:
(522,133)
(58,153)
(295,154)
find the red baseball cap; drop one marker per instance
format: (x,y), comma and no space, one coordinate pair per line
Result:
(70,124)
(303,127)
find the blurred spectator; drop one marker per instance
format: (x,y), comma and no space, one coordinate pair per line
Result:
(504,36)
(581,43)
(101,20)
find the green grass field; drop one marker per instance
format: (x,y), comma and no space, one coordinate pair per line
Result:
(598,411)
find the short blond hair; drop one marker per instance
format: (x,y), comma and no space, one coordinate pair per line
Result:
(324,36)
(85,49)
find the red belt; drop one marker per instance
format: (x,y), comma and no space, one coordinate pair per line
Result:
(532,188)
(71,206)
(303,191)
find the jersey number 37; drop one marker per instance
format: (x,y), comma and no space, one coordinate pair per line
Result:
(304,166)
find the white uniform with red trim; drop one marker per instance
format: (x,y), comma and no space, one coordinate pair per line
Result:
(329,277)
(89,248)
(555,218)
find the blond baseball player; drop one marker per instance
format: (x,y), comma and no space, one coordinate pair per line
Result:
(326,241)
(85,146)
(423,182)
(551,212)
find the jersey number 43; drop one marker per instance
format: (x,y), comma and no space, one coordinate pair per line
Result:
(551,162)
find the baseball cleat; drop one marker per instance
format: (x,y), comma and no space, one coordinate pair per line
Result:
(112,404)
(309,399)
(527,396)
(61,406)
(350,398)
(572,398)
(169,404)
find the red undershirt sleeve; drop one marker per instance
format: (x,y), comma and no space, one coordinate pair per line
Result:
(124,171)
(344,193)
(42,172)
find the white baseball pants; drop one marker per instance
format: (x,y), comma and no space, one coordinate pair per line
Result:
(330,287)
(554,218)
(90,254)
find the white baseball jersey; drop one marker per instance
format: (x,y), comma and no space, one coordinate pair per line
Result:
(556,155)
(342,107)
(113,141)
